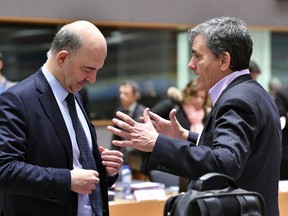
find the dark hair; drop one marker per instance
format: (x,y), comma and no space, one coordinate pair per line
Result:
(1,56)
(226,34)
(65,40)
(133,85)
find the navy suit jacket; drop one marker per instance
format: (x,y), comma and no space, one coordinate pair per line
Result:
(241,138)
(36,153)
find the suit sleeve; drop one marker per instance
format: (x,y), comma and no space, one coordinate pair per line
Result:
(224,149)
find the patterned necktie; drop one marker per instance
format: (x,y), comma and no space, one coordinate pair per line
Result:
(86,157)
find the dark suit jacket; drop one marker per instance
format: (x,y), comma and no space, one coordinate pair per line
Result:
(241,138)
(281,100)
(36,153)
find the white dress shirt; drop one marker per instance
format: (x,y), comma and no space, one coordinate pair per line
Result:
(84,208)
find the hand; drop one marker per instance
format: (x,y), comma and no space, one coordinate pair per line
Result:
(169,128)
(138,135)
(112,160)
(84,181)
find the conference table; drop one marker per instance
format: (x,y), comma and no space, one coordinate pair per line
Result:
(132,208)
(156,207)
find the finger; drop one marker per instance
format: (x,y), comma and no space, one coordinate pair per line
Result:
(122,124)
(111,129)
(121,143)
(96,174)
(111,165)
(113,153)
(146,117)
(101,149)
(126,118)
(93,187)
(118,132)
(96,181)
(172,115)
(112,170)
(111,160)
(154,116)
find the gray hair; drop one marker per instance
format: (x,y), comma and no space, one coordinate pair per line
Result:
(226,34)
(65,39)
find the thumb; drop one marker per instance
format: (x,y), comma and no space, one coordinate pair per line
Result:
(146,116)
(101,149)
(172,116)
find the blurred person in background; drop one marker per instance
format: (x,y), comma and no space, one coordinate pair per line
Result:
(192,105)
(254,69)
(129,95)
(281,100)
(274,85)
(4,82)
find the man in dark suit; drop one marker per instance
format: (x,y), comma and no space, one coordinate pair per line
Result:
(129,95)
(4,82)
(40,168)
(281,100)
(242,134)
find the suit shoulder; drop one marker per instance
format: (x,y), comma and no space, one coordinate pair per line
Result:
(141,106)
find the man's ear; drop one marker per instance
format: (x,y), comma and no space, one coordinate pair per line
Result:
(62,57)
(225,60)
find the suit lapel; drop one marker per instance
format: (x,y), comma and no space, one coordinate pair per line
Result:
(209,121)
(53,112)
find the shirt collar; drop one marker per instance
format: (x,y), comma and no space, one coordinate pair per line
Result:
(219,87)
(132,107)
(3,80)
(58,90)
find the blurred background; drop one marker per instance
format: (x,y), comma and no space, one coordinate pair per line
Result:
(147,41)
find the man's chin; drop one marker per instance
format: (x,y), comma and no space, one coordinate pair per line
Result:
(76,89)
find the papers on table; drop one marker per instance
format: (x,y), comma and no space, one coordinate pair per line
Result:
(148,191)
(283,186)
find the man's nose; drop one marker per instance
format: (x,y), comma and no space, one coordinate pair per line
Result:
(91,77)
(191,64)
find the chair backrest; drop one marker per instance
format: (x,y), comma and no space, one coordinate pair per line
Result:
(163,177)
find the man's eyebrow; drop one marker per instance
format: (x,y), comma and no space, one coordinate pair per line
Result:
(194,51)
(90,68)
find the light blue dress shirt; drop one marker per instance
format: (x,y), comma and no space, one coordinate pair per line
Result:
(84,208)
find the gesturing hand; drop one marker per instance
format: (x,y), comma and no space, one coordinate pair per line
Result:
(138,135)
(170,128)
(112,160)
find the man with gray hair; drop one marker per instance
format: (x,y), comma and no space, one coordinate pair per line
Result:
(50,161)
(242,135)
